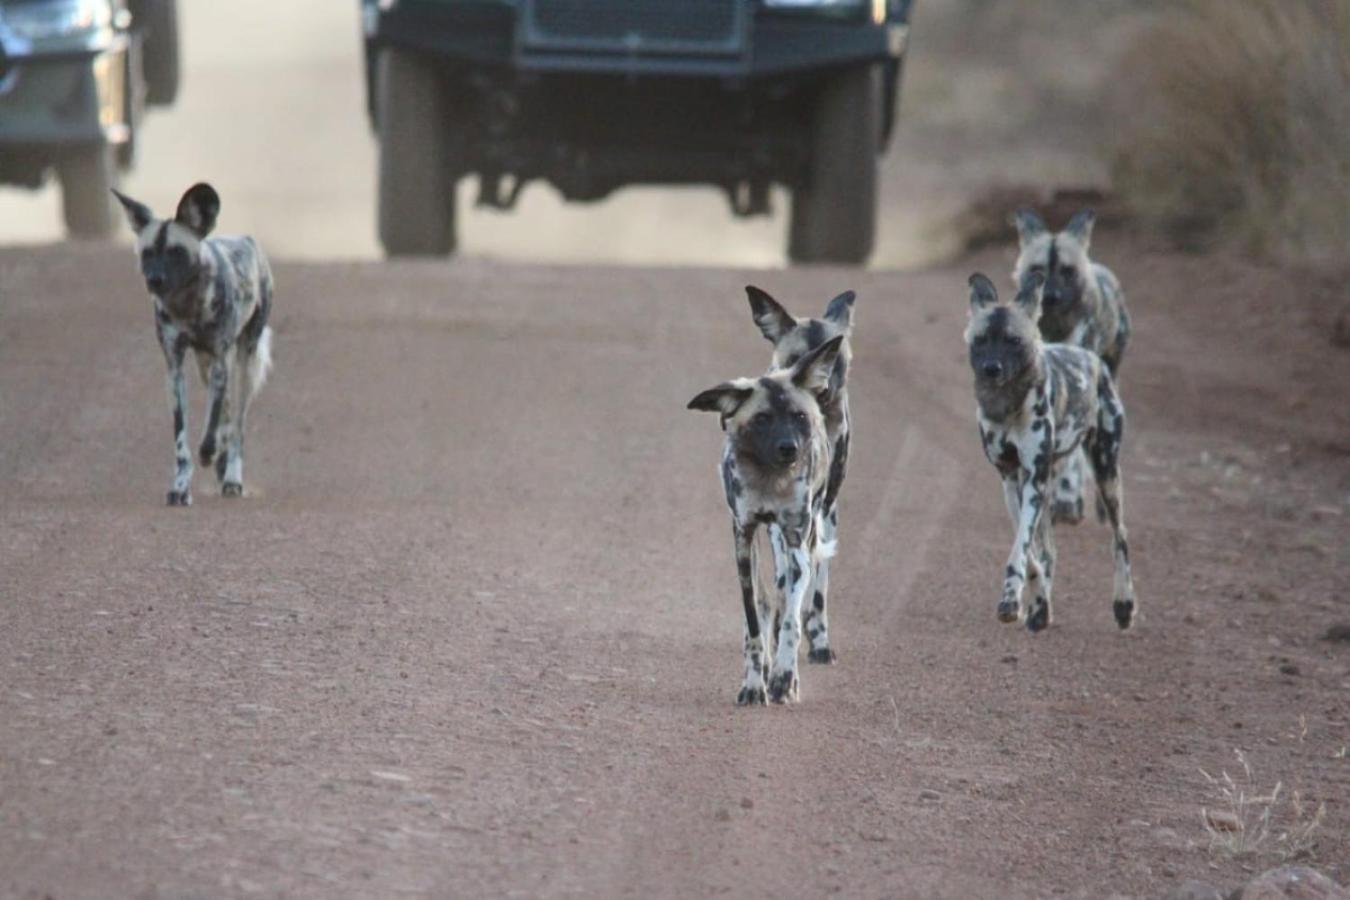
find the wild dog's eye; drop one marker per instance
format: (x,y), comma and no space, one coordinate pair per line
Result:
(1014,341)
(761,418)
(1068,271)
(799,415)
(981,340)
(1038,269)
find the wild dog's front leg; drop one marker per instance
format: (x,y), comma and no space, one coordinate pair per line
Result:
(1041,613)
(816,621)
(216,434)
(752,691)
(175,348)
(783,682)
(1105,456)
(1029,492)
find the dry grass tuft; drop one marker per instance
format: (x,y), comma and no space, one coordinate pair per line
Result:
(1242,821)
(1233,126)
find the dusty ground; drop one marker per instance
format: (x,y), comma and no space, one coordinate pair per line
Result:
(475,631)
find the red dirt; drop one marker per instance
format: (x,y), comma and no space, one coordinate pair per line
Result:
(475,630)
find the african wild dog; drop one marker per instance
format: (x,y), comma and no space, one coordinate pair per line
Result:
(775,471)
(1039,404)
(792,339)
(1084,306)
(213,296)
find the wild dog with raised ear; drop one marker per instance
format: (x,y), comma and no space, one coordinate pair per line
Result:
(792,339)
(213,296)
(1083,305)
(775,471)
(1038,406)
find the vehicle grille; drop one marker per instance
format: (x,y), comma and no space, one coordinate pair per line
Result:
(634,26)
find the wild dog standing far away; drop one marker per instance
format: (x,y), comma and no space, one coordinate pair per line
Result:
(792,339)
(213,295)
(1082,305)
(775,471)
(1039,405)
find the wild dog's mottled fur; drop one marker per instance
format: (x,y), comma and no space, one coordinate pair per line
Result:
(212,296)
(775,471)
(1083,305)
(1039,405)
(792,339)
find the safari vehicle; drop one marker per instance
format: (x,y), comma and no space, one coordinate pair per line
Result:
(593,95)
(75,78)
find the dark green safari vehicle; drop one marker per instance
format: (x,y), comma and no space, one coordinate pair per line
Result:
(593,95)
(75,78)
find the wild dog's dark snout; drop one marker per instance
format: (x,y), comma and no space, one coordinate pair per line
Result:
(787,451)
(992,368)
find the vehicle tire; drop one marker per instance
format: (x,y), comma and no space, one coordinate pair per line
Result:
(88,175)
(158,22)
(416,192)
(834,214)
(133,100)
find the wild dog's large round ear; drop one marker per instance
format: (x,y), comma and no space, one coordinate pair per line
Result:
(840,310)
(198,209)
(812,372)
(1080,226)
(726,398)
(982,292)
(138,214)
(769,315)
(1027,223)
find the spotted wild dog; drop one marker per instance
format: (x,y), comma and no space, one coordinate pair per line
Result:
(775,471)
(1039,404)
(792,339)
(1084,306)
(213,296)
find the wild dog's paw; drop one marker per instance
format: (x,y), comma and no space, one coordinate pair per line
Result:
(231,489)
(207,452)
(1009,609)
(783,687)
(180,498)
(1124,612)
(1066,512)
(751,695)
(823,656)
(1038,617)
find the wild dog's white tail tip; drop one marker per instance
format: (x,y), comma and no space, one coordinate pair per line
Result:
(260,363)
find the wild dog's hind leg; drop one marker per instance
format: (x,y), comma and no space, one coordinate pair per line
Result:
(253,361)
(752,691)
(1105,455)
(1068,505)
(175,348)
(816,622)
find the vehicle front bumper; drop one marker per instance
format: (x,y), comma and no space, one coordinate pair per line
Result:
(487,33)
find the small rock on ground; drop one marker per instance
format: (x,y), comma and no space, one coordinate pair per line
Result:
(1293,883)
(1195,890)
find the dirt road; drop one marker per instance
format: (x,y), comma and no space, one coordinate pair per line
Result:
(474,631)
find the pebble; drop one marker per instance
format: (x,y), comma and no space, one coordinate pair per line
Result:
(928,795)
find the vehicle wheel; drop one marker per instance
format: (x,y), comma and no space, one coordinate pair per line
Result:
(158,22)
(133,100)
(88,175)
(834,215)
(417,200)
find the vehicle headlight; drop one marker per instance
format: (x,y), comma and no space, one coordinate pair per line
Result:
(38,20)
